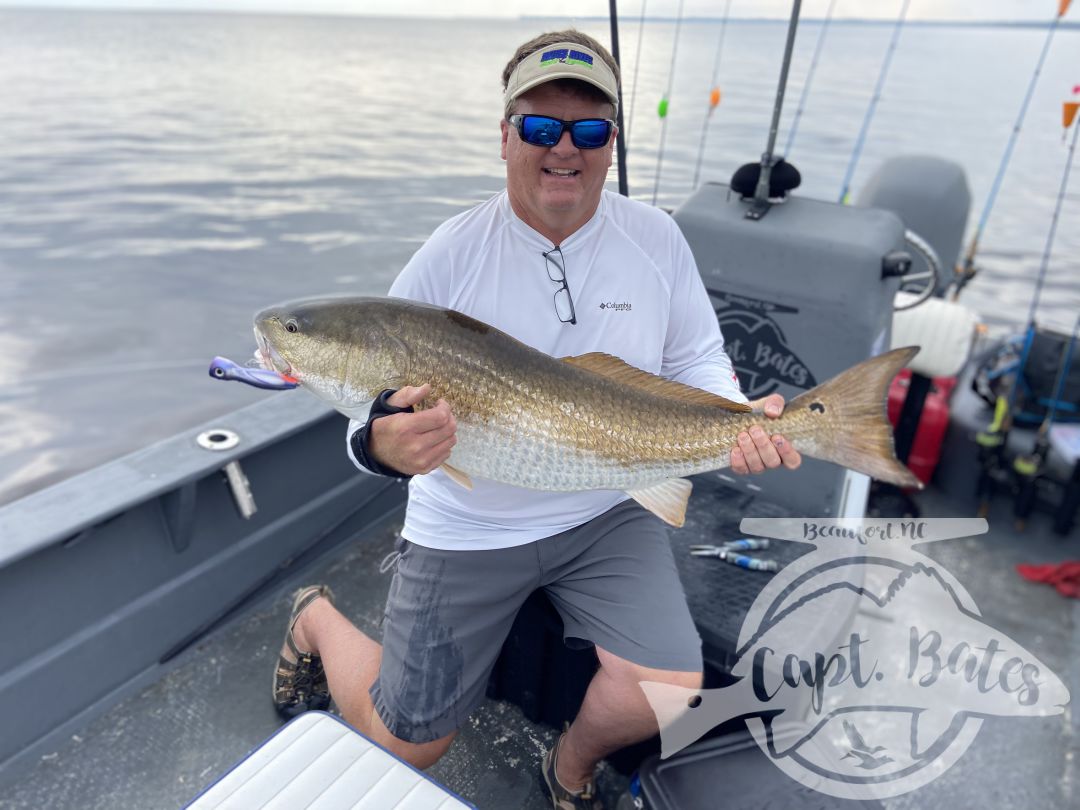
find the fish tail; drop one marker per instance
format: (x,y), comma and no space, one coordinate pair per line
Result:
(854,403)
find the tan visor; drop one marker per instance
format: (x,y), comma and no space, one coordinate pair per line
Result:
(563,60)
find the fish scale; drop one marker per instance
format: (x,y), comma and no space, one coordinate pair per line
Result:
(535,429)
(591,422)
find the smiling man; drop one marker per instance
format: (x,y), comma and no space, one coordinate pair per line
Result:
(568,268)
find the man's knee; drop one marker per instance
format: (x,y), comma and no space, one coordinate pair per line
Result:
(627,672)
(419,755)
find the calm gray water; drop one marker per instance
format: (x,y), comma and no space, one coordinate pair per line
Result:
(162,176)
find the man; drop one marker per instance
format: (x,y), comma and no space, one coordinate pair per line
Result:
(567,268)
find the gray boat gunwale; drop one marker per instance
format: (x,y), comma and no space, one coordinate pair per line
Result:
(61,512)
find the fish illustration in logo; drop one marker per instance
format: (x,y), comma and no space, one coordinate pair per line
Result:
(757,345)
(894,645)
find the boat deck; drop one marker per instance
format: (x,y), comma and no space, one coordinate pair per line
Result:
(165,741)
(159,747)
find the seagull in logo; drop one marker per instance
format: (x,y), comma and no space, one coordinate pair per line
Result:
(860,750)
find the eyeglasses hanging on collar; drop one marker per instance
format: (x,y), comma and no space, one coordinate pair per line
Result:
(556,270)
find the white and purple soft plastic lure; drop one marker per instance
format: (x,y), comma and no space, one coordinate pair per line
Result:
(222,368)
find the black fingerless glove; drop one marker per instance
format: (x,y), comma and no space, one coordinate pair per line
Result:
(361,438)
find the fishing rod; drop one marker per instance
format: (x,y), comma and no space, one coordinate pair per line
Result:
(968,271)
(809,79)
(845,188)
(662,108)
(1041,280)
(760,205)
(637,63)
(714,93)
(1031,468)
(620,139)
(992,441)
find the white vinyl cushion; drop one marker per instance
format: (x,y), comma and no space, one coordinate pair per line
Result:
(316,761)
(943,329)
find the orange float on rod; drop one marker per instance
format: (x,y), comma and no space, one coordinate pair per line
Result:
(1068,113)
(714,94)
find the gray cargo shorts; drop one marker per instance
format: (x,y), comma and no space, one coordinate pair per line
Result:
(613,581)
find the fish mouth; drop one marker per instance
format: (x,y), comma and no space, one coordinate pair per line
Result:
(269,357)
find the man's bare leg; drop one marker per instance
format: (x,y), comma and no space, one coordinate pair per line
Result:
(613,715)
(351,659)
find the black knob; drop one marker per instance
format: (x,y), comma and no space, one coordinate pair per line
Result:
(897,263)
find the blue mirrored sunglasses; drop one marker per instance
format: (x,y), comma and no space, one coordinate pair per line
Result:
(540,130)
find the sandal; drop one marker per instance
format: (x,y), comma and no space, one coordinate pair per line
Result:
(561,798)
(300,685)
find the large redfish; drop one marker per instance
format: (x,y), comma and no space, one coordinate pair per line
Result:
(576,423)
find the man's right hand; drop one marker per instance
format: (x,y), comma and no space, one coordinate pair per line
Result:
(413,443)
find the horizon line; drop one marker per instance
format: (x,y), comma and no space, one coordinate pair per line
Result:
(60,6)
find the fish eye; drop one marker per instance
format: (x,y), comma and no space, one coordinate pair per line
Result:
(219,372)
(817,407)
(291,325)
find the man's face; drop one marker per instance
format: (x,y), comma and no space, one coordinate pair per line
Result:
(544,193)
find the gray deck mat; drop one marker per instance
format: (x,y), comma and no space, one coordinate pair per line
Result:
(160,747)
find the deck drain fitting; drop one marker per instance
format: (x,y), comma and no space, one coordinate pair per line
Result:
(218,439)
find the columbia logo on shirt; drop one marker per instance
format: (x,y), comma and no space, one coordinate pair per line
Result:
(625,306)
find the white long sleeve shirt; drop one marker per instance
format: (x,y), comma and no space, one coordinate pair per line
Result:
(637,295)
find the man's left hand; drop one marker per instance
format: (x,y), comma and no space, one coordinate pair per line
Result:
(759,451)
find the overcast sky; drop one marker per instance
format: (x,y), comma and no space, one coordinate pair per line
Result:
(967,10)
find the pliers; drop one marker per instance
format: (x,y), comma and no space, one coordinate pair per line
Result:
(728,552)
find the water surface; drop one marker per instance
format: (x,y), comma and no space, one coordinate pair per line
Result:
(163,176)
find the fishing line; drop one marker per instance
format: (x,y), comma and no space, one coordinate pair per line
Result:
(714,93)
(662,108)
(845,188)
(968,271)
(809,79)
(1053,227)
(637,63)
